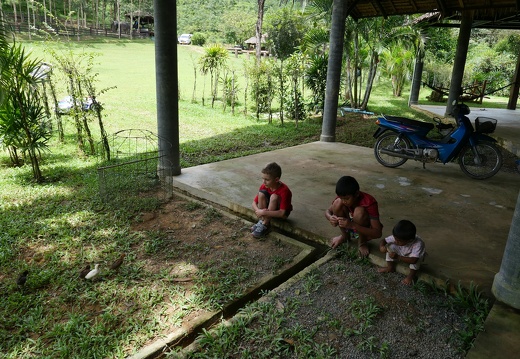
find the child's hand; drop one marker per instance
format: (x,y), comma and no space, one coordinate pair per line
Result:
(393,255)
(382,246)
(345,222)
(334,220)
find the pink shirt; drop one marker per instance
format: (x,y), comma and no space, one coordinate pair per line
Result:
(414,249)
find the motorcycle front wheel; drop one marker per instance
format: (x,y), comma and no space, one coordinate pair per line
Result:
(482,161)
(390,141)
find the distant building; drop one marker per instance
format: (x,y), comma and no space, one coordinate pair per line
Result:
(251,42)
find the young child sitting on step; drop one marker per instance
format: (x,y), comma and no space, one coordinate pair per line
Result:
(404,245)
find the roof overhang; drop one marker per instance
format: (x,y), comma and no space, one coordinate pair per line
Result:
(500,14)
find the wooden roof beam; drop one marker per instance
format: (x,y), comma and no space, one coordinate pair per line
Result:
(381,9)
(442,7)
(352,5)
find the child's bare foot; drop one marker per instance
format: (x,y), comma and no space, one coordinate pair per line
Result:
(336,241)
(386,270)
(407,281)
(363,250)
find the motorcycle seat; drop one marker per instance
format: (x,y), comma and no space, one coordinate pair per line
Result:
(410,122)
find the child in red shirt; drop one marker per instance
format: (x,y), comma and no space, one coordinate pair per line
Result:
(272,201)
(356,214)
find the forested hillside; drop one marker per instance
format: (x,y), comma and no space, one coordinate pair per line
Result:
(220,19)
(298,31)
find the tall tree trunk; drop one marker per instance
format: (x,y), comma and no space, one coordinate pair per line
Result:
(86,127)
(118,20)
(214,86)
(22,19)
(59,122)
(282,92)
(33,14)
(139,17)
(75,113)
(245,92)
(348,81)
(233,91)
(259,22)
(296,101)
(28,19)
(355,98)
(370,80)
(131,19)
(1,13)
(104,14)
(194,80)
(97,14)
(44,11)
(77,23)
(15,14)
(203,88)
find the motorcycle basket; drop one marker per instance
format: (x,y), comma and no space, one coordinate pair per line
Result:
(485,125)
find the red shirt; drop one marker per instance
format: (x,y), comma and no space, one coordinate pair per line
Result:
(370,204)
(283,192)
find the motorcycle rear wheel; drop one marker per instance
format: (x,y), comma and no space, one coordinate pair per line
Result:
(490,160)
(391,141)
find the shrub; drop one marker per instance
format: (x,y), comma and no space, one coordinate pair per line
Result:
(198,39)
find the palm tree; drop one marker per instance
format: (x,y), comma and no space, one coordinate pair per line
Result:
(397,63)
(370,38)
(213,60)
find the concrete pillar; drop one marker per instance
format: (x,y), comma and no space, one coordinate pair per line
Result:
(513,92)
(506,285)
(166,86)
(337,35)
(460,58)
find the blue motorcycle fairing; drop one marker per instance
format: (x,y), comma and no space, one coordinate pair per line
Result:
(448,147)
(480,137)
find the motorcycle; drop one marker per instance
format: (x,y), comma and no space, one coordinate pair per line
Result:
(400,139)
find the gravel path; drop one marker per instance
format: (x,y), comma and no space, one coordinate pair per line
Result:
(340,297)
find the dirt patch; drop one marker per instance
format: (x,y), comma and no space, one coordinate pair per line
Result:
(192,232)
(208,255)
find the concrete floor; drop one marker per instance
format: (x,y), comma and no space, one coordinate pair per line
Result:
(464,222)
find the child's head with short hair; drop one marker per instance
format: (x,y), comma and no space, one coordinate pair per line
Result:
(404,231)
(347,186)
(273,170)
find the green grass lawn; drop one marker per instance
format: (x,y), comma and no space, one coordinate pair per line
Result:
(55,227)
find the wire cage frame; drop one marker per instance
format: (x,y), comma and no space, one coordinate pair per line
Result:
(133,169)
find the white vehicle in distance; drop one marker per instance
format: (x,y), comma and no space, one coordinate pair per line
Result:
(185,39)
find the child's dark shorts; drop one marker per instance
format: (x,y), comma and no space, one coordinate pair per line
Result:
(268,198)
